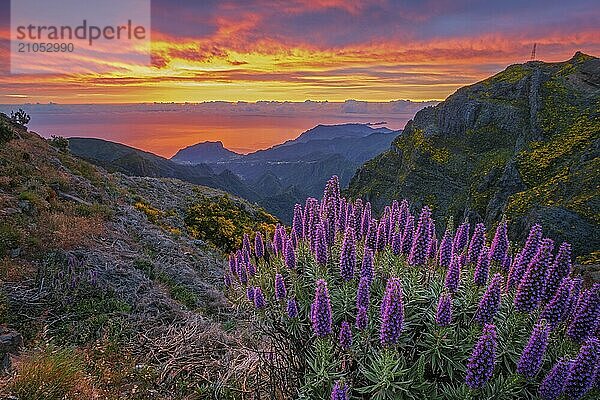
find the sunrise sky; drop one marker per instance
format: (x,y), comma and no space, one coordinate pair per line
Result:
(319,49)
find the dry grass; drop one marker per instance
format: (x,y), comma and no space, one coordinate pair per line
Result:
(71,231)
(13,270)
(51,374)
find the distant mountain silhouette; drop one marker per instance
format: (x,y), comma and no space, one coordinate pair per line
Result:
(204,152)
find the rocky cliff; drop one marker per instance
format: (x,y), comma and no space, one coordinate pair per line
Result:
(523,143)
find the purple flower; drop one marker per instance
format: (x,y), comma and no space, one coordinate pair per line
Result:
(499,245)
(576,286)
(363,293)
(381,239)
(339,391)
(251,269)
(507,263)
(250,293)
(490,302)
(320,310)
(560,269)
(482,270)
(532,244)
(555,310)
(298,221)
(320,246)
(366,270)
(480,367)
(361,319)
(259,298)
(290,255)
(246,244)
(232,264)
(242,272)
(586,315)
(533,354)
(443,315)
(259,247)
(371,238)
(348,255)
(280,290)
(531,288)
(477,243)
(461,238)
(407,237)
(453,276)
(420,245)
(392,313)
(515,274)
(553,384)
(397,242)
(292,308)
(445,250)
(345,338)
(366,220)
(582,370)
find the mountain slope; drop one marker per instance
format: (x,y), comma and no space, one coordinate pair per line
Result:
(117,157)
(523,143)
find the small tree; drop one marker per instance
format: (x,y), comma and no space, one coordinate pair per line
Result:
(20,117)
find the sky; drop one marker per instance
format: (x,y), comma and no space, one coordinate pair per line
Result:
(294,50)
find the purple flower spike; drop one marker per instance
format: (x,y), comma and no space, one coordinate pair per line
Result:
(371,238)
(259,298)
(348,255)
(320,246)
(363,293)
(445,250)
(381,239)
(560,269)
(232,264)
(290,255)
(397,242)
(477,243)
(280,290)
(453,276)
(554,383)
(490,302)
(246,244)
(298,221)
(242,272)
(586,315)
(340,391)
(582,370)
(420,245)
(482,270)
(499,245)
(483,358)
(443,315)
(320,310)
(576,286)
(531,288)
(555,310)
(392,313)
(251,269)
(407,237)
(533,354)
(366,271)
(345,338)
(292,308)
(461,238)
(366,220)
(250,293)
(362,319)
(259,246)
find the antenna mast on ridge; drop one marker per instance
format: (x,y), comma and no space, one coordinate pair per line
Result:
(533,52)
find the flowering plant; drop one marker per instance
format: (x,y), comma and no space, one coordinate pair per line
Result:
(356,307)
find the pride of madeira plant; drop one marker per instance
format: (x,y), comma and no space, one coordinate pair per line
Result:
(348,307)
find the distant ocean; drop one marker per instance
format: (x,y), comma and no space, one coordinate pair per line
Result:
(165,130)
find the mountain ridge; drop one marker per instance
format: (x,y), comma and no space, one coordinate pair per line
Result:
(522,143)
